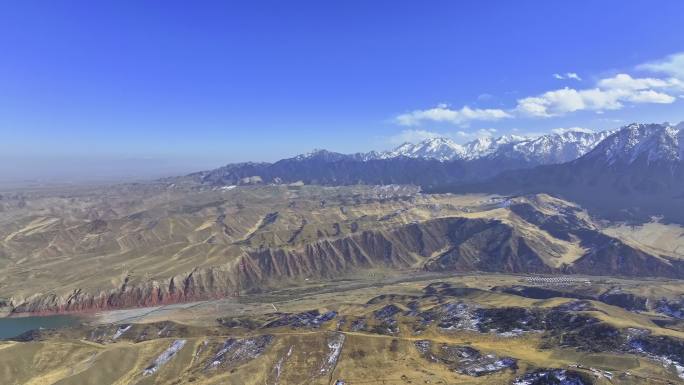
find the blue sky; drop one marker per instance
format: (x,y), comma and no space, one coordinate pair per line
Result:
(131,88)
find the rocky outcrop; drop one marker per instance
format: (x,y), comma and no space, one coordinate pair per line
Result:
(489,246)
(553,376)
(196,285)
(464,359)
(398,248)
(627,301)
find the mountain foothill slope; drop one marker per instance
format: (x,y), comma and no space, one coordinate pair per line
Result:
(149,244)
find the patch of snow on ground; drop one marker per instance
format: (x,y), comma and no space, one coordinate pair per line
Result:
(163,358)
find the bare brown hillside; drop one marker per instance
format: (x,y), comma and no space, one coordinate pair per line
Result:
(147,244)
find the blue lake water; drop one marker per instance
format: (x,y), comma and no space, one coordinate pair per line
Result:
(11,327)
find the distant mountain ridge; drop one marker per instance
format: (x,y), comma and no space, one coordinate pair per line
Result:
(544,149)
(637,172)
(429,163)
(634,172)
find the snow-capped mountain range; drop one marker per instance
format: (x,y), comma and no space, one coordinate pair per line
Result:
(634,174)
(545,149)
(627,144)
(636,171)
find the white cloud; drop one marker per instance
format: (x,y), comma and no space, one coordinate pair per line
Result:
(650,96)
(610,94)
(626,82)
(561,131)
(562,101)
(672,65)
(568,75)
(413,136)
(442,113)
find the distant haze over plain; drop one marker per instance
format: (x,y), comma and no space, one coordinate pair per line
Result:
(15,172)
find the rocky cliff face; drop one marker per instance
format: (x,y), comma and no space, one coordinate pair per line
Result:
(196,285)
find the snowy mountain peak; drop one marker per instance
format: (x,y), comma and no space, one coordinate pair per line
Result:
(488,146)
(442,149)
(557,147)
(320,154)
(645,142)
